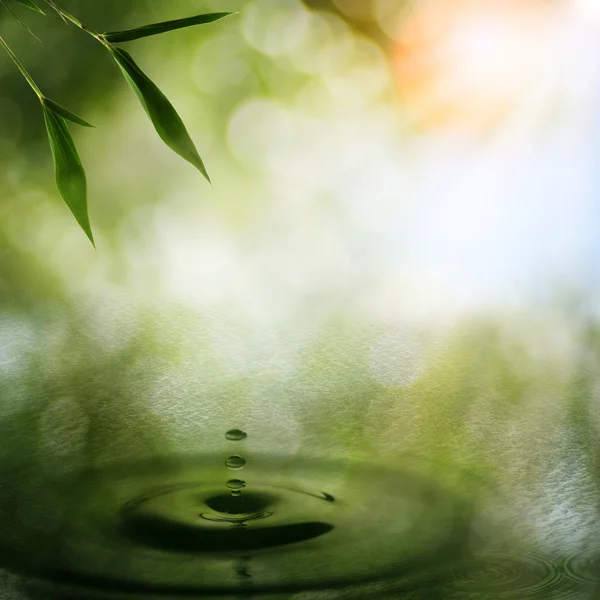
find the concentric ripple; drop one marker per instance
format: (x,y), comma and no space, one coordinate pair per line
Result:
(508,575)
(171,527)
(583,568)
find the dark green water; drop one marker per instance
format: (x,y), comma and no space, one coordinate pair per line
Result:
(170,528)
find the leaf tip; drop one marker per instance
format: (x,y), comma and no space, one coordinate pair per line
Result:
(88,233)
(84,223)
(200,166)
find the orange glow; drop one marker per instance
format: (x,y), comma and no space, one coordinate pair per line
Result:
(467,62)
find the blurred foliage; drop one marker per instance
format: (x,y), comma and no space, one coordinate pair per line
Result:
(70,66)
(70,174)
(67,65)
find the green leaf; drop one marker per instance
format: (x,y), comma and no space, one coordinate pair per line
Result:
(69,172)
(164,117)
(115,37)
(64,113)
(20,21)
(30,4)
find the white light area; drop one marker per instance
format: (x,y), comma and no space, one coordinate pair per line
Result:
(472,62)
(112,321)
(348,211)
(397,359)
(370,66)
(436,225)
(579,62)
(487,56)
(259,130)
(504,219)
(587,9)
(275,27)
(201,262)
(555,349)
(265,278)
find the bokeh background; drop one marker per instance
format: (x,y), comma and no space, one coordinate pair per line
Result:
(399,253)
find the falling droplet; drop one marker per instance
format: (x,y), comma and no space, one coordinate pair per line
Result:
(235,462)
(236,435)
(236,484)
(243,569)
(236,493)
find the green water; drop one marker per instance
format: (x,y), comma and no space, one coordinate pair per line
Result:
(169,526)
(114,480)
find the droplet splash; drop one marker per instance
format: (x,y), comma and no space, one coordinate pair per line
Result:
(177,530)
(236,435)
(235,462)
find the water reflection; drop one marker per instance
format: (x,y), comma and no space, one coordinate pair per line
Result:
(507,575)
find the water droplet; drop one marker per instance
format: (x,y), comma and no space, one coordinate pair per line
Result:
(236,435)
(236,493)
(235,462)
(236,484)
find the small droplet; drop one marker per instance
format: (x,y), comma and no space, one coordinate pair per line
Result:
(236,493)
(235,435)
(236,484)
(235,462)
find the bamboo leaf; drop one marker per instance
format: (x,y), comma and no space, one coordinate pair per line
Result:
(164,117)
(69,172)
(64,113)
(30,4)
(116,37)
(21,22)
